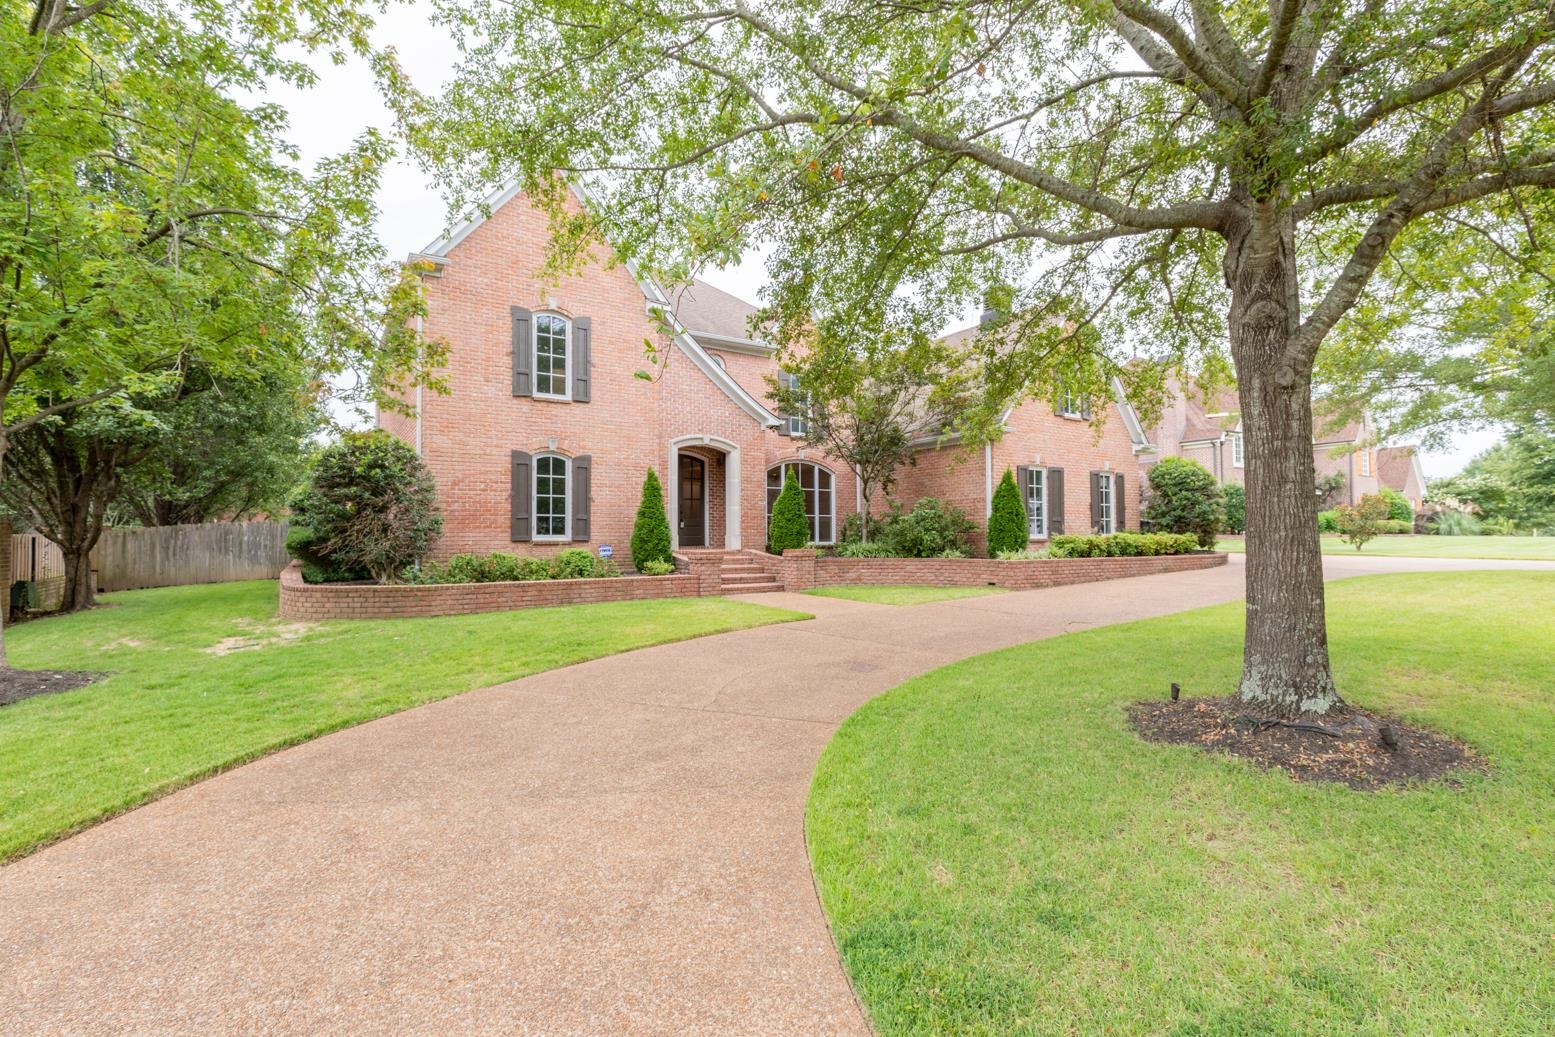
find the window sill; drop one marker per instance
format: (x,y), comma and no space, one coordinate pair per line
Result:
(546,398)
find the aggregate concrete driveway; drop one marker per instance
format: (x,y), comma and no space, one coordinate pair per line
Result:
(612,848)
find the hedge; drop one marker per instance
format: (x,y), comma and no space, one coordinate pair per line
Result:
(1121,545)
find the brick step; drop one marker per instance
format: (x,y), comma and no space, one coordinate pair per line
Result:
(745,567)
(752,588)
(751,577)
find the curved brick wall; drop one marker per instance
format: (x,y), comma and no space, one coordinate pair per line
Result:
(319,601)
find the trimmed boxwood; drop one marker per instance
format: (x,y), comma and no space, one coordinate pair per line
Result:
(1185,499)
(1121,545)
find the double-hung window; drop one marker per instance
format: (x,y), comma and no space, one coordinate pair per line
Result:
(1236,450)
(1036,503)
(550,510)
(552,334)
(1104,504)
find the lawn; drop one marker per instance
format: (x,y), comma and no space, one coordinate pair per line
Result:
(1513,548)
(175,709)
(999,854)
(902,594)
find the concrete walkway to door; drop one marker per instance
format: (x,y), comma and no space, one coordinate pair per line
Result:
(612,848)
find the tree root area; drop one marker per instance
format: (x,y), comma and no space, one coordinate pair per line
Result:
(16,685)
(1365,751)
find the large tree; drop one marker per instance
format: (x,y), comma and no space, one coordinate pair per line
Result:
(151,217)
(1168,180)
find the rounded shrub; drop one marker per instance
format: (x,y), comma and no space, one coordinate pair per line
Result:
(929,530)
(789,527)
(1398,506)
(1007,528)
(651,531)
(1184,499)
(1233,501)
(370,509)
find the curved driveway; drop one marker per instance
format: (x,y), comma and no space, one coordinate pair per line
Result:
(612,848)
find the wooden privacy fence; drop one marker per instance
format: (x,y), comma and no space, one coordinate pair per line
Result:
(172,556)
(36,561)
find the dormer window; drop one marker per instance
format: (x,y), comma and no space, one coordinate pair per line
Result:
(552,335)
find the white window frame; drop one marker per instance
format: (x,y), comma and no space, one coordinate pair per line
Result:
(1105,487)
(1366,463)
(831,495)
(1238,456)
(798,424)
(534,354)
(566,498)
(1037,477)
(1069,405)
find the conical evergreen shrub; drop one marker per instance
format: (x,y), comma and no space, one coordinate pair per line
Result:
(789,526)
(1007,529)
(651,531)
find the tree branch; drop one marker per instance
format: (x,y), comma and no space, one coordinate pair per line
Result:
(1201,65)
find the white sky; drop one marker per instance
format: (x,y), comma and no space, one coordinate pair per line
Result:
(346,102)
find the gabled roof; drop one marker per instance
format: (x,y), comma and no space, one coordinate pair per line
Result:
(1394,464)
(716,318)
(1209,417)
(438,252)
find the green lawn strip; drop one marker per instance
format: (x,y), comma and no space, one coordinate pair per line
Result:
(1487,547)
(999,854)
(173,712)
(902,594)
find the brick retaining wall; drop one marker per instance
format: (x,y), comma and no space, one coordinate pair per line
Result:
(320,601)
(1015,574)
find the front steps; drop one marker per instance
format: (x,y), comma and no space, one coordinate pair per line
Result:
(739,574)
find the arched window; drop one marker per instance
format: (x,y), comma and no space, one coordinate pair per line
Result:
(820,502)
(552,337)
(550,509)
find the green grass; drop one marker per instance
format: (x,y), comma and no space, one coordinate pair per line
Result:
(1512,548)
(902,594)
(172,711)
(999,854)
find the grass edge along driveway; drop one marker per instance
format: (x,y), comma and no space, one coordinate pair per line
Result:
(205,678)
(1514,549)
(998,854)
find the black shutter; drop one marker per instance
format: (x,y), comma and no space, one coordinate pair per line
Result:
(581,327)
(1054,501)
(581,470)
(523,355)
(523,497)
(1119,510)
(1095,502)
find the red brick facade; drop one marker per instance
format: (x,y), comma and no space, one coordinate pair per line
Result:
(631,423)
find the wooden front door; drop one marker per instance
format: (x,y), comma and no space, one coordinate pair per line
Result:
(693,502)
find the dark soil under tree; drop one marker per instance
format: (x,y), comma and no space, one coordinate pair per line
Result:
(16,685)
(1349,745)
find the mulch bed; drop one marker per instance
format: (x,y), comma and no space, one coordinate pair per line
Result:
(1351,747)
(16,685)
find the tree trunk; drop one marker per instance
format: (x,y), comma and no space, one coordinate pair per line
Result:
(80,591)
(1285,668)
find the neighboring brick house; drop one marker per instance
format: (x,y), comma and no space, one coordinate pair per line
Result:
(1398,467)
(1208,429)
(549,427)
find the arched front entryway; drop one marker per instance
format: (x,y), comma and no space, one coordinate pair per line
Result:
(702,494)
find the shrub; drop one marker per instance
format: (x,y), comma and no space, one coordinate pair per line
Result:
(1233,501)
(1184,499)
(1022,555)
(1328,521)
(1007,528)
(789,527)
(498,567)
(930,529)
(301,544)
(371,507)
(1121,545)
(856,549)
(656,567)
(1455,524)
(1398,506)
(1362,522)
(578,563)
(1395,526)
(651,531)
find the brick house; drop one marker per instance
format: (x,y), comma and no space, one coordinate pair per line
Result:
(1208,429)
(549,427)
(1398,468)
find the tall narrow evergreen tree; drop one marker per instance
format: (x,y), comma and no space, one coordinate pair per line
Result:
(1007,526)
(651,531)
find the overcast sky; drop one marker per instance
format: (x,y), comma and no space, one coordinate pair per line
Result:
(346,102)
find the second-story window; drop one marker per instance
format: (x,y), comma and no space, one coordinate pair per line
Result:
(1236,449)
(1365,462)
(551,334)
